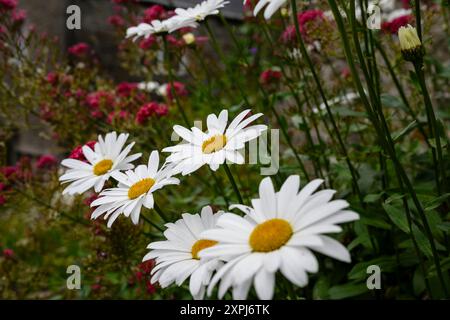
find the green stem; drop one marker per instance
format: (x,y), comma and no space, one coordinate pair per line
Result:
(310,64)
(385,137)
(161,213)
(418,19)
(277,116)
(400,90)
(172,89)
(433,124)
(233,183)
(151,223)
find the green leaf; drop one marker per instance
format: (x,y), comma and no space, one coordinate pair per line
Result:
(399,134)
(347,290)
(374,197)
(397,216)
(359,271)
(445,265)
(444,226)
(422,242)
(394,197)
(376,222)
(321,288)
(436,202)
(392,101)
(432,142)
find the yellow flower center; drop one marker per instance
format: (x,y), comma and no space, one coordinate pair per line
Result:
(140,188)
(270,235)
(215,143)
(102,167)
(199,245)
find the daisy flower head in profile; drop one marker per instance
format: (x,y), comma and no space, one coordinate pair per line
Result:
(157,27)
(135,189)
(277,233)
(109,156)
(221,142)
(177,257)
(201,10)
(271,7)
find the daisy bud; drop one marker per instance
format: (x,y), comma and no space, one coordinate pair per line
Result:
(189,38)
(411,46)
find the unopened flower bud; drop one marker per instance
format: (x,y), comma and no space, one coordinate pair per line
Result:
(189,38)
(411,46)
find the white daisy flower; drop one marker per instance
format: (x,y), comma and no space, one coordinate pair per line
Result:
(108,157)
(135,190)
(271,8)
(278,233)
(177,257)
(157,26)
(150,86)
(201,10)
(219,143)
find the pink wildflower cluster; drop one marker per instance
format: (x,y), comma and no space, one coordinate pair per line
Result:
(151,109)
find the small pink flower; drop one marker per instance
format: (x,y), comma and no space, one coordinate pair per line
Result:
(78,154)
(97,114)
(145,112)
(151,289)
(114,115)
(18,16)
(96,287)
(116,21)
(8,253)
(79,50)
(45,112)
(9,171)
(90,199)
(393,26)
(178,87)
(125,89)
(139,275)
(147,266)
(8,4)
(147,43)
(174,42)
(288,35)
(98,98)
(309,16)
(46,161)
(161,110)
(270,76)
(345,73)
(154,12)
(52,78)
